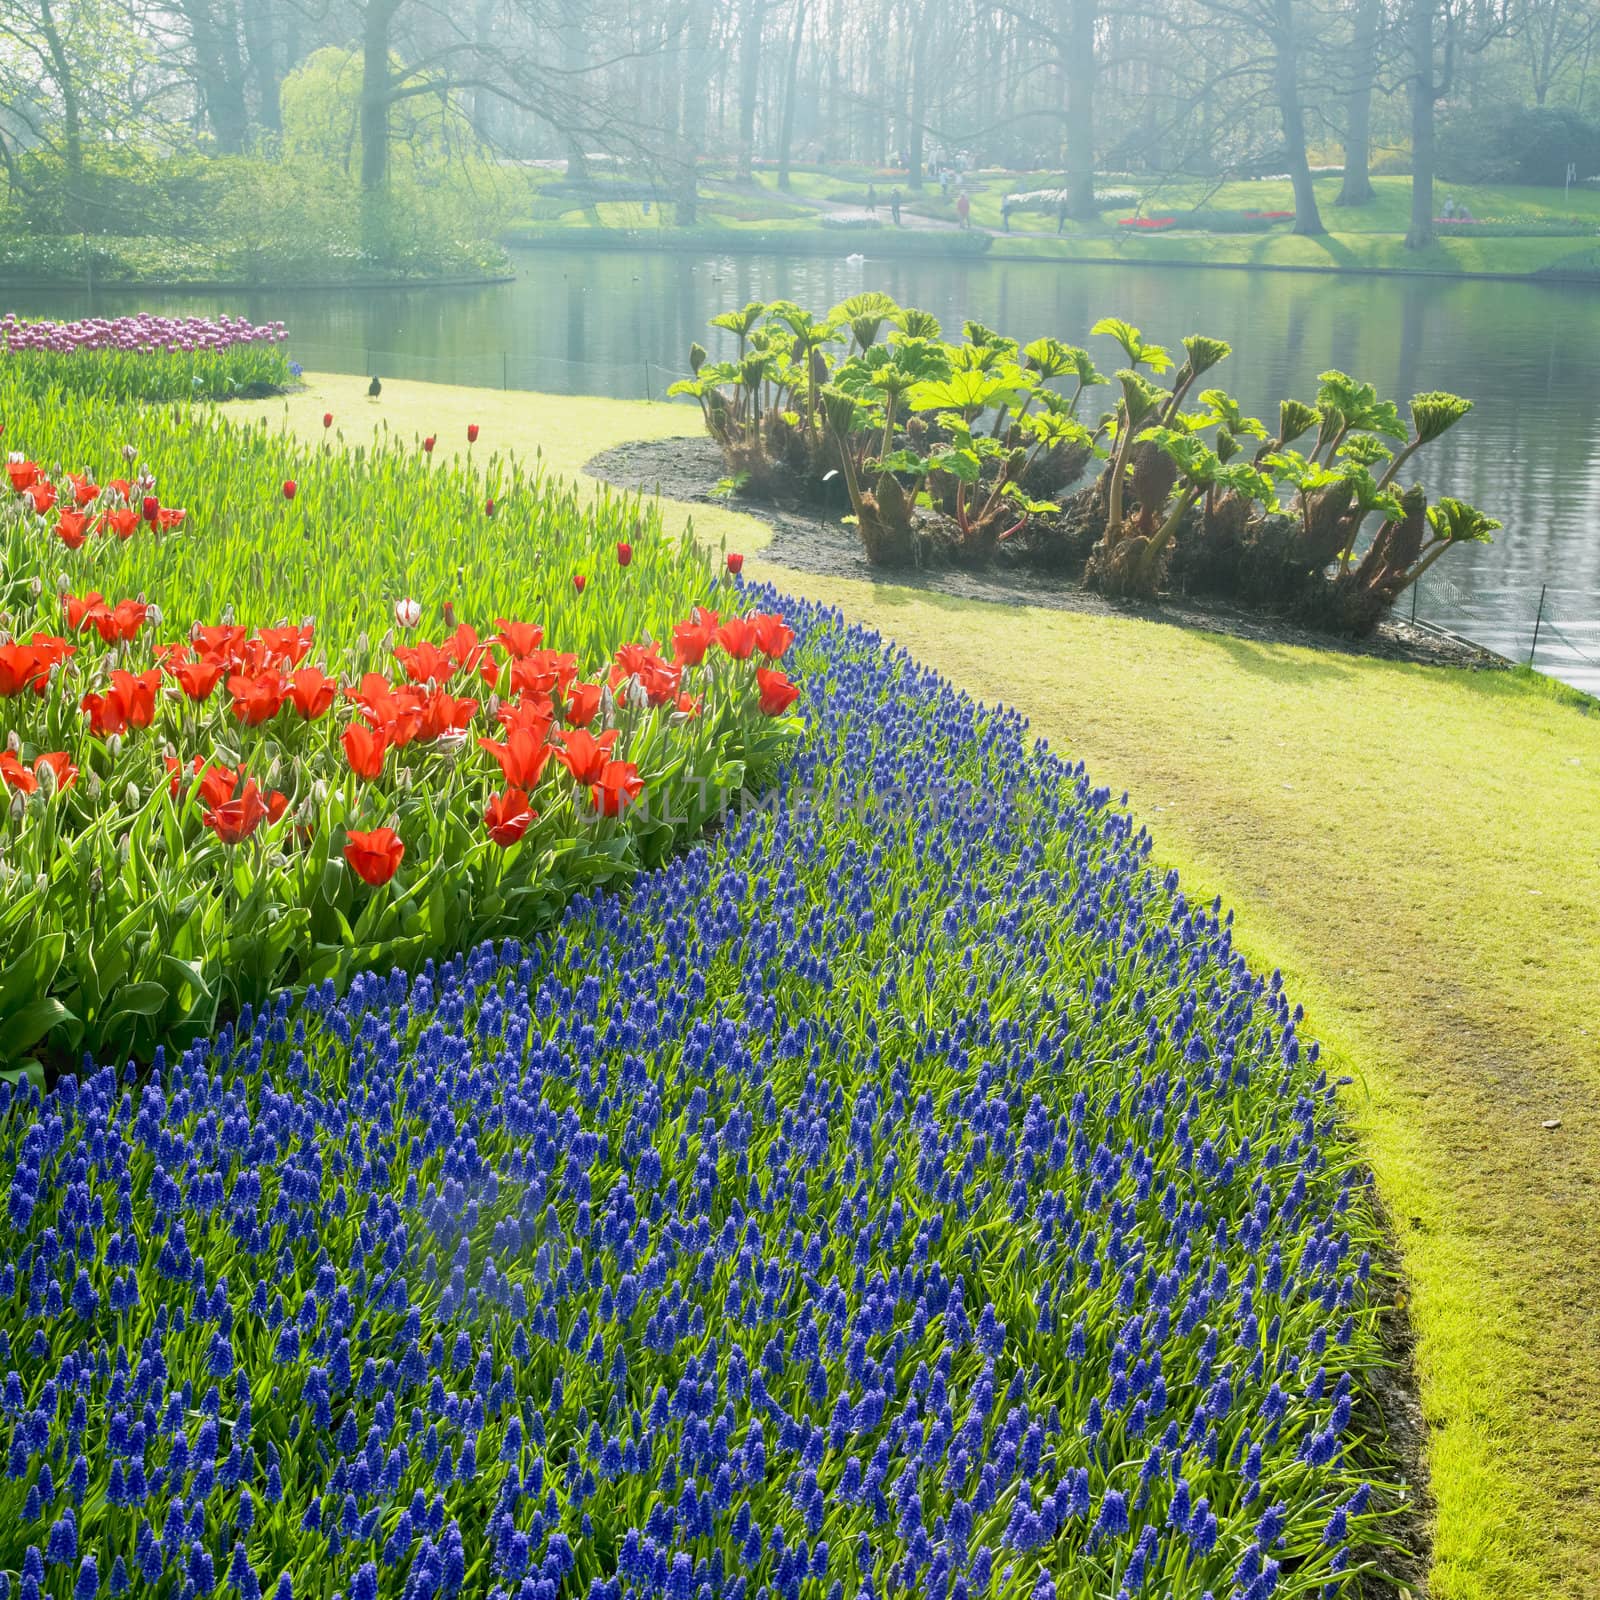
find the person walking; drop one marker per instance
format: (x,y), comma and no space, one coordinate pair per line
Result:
(894,207)
(872,198)
(1061,212)
(963,209)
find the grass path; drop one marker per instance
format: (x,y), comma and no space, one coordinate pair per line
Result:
(1416,849)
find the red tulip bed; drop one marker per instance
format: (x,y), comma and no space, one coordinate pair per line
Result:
(203,806)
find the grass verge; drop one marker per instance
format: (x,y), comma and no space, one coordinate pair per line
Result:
(1409,845)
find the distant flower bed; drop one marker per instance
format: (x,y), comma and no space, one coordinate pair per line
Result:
(1050,201)
(1148,224)
(851,220)
(148,357)
(909,1193)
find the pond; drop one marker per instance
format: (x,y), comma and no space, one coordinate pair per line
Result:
(620,323)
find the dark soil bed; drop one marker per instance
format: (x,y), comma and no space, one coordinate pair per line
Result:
(810,539)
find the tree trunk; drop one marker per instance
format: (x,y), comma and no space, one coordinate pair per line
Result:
(790,89)
(71,113)
(1356,189)
(1286,80)
(749,84)
(573,52)
(1078,50)
(920,24)
(219,71)
(692,123)
(1419,45)
(376,92)
(261,51)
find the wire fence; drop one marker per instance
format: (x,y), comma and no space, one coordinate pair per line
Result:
(1553,628)
(1548,626)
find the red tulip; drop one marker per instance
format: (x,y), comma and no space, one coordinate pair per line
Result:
(257,697)
(689,642)
(138,691)
(60,763)
(777,693)
(19,666)
(364,749)
(375,855)
(235,820)
(84,489)
(290,488)
(217,782)
(738,637)
(122,521)
(518,638)
(327,419)
(42,495)
(152,509)
(522,757)
(425,663)
(507,817)
(735,563)
(13,775)
(443,713)
(585,756)
(70,530)
(578,581)
(618,785)
(773,635)
(427,444)
(624,552)
(472,433)
(488,508)
(312,692)
(583,700)
(198,678)
(24,474)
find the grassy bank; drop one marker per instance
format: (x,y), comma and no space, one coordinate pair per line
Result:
(1411,868)
(1369,238)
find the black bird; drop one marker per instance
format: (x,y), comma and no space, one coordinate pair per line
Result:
(374,389)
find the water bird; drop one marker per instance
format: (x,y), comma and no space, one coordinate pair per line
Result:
(374,389)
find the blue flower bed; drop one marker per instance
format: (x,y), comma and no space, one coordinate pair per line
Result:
(907,1192)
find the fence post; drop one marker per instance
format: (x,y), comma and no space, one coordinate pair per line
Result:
(1414,588)
(1538,618)
(505,369)
(647,393)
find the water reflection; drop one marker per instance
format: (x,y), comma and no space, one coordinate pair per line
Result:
(611,322)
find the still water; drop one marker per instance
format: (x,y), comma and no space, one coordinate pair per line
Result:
(621,324)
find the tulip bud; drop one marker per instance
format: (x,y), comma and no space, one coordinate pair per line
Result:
(624,552)
(427,444)
(153,615)
(578,581)
(124,850)
(408,613)
(14,742)
(226,619)
(638,696)
(131,797)
(488,508)
(47,773)
(386,645)
(151,507)
(114,746)
(35,587)
(129,453)
(735,563)
(608,708)
(319,791)
(19,805)
(42,882)
(472,433)
(290,488)
(327,419)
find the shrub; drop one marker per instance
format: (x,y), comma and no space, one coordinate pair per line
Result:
(1518,144)
(850,221)
(723,1241)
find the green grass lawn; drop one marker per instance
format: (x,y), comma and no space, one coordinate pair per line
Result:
(1413,847)
(1367,238)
